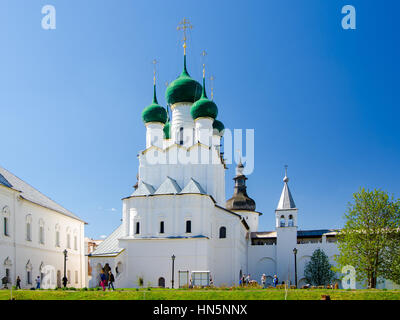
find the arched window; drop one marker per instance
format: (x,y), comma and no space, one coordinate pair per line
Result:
(181,135)
(75,240)
(68,238)
(188,226)
(222,233)
(41,231)
(6,219)
(161,226)
(57,235)
(282,221)
(137,230)
(290,222)
(28,272)
(28,221)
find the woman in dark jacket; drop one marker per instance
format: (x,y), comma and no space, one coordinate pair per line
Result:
(110,280)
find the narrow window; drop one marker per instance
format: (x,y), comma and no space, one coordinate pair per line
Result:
(137,231)
(181,135)
(28,277)
(41,235)
(290,222)
(162,227)
(75,243)
(28,231)
(222,233)
(5,226)
(68,241)
(76,276)
(57,238)
(188,226)
(69,276)
(282,223)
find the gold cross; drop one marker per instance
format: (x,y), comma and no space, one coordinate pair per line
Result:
(212,78)
(204,53)
(154,62)
(183,25)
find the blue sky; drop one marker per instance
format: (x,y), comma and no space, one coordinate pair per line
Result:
(321,99)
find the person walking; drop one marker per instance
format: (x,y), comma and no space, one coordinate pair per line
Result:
(18,283)
(111,280)
(247,280)
(37,282)
(275,281)
(263,280)
(102,280)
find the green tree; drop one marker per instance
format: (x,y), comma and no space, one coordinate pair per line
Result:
(369,240)
(318,271)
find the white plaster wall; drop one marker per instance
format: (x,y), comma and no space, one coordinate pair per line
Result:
(20,250)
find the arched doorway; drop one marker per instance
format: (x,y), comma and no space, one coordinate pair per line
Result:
(161,282)
(58,279)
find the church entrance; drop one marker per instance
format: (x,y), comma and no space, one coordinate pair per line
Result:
(161,282)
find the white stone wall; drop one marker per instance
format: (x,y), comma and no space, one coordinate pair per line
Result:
(20,251)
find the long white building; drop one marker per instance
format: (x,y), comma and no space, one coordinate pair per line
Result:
(35,231)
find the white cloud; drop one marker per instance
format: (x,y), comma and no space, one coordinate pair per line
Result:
(103,236)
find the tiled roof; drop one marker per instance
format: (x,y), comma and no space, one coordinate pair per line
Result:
(29,193)
(109,247)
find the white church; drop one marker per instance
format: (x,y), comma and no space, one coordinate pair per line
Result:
(177,225)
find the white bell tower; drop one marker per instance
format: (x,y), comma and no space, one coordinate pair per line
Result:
(286,233)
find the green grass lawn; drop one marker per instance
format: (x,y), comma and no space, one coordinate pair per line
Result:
(202,294)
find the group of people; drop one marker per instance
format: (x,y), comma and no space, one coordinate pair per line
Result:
(245,280)
(107,279)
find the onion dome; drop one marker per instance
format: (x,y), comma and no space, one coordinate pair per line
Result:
(154,112)
(167,130)
(218,128)
(183,89)
(204,107)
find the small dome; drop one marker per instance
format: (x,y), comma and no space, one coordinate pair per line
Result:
(154,112)
(183,89)
(218,128)
(204,107)
(167,130)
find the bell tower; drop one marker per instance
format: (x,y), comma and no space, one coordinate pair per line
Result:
(286,233)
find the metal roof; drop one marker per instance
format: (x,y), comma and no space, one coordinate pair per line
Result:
(300,233)
(29,193)
(4,182)
(109,246)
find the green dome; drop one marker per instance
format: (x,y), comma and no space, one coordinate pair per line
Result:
(167,130)
(154,112)
(183,89)
(204,107)
(218,128)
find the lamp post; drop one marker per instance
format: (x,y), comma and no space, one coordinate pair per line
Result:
(65,268)
(295,266)
(173,266)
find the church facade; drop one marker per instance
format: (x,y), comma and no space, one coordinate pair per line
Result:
(177,227)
